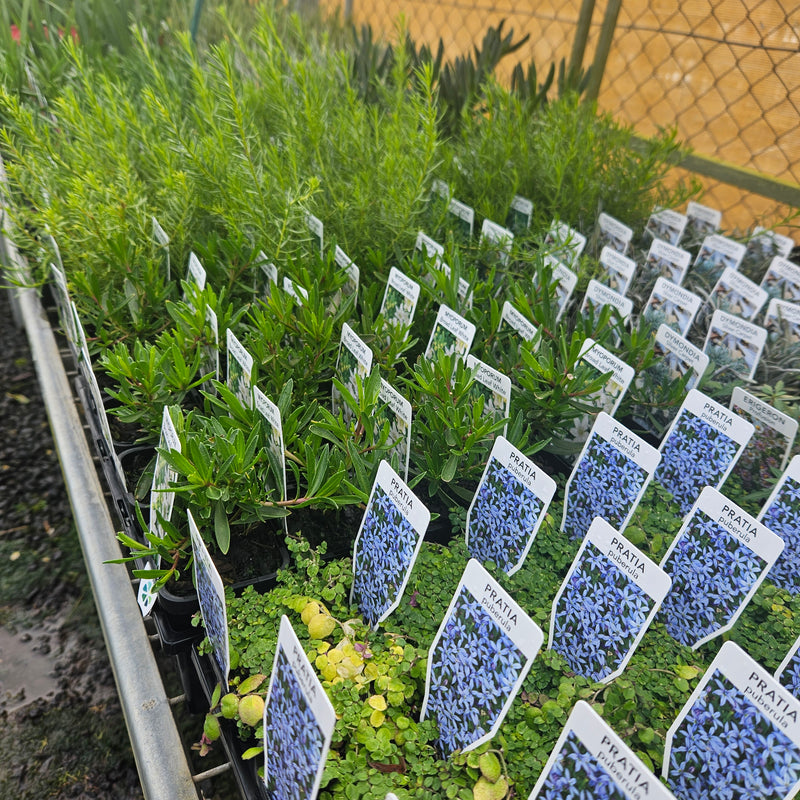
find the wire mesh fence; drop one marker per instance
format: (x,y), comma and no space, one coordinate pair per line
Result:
(725,73)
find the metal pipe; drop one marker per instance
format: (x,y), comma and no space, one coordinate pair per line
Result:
(157,747)
(581,36)
(603,49)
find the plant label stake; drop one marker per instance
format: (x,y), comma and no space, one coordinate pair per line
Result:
(716,253)
(479,658)
(667,225)
(565,282)
(268,274)
(195,279)
(498,239)
(740,728)
(513,318)
(451,334)
(272,417)
(617,270)
(520,213)
(736,294)
(65,313)
(607,601)
(609,478)
(612,233)
(211,348)
(399,301)
(782,321)
(295,290)
(666,261)
(462,219)
(700,448)
(386,547)
(162,241)
(781,514)
(353,365)
(565,243)
(597,295)
(702,220)
(298,722)
(765,245)
(240,370)
(590,760)
(782,279)
(397,412)
(508,508)
(351,270)
(211,594)
(718,559)
(493,387)
(671,305)
(734,345)
(317,231)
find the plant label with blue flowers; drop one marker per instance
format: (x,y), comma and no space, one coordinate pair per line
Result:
(518,322)
(352,365)
(565,282)
(462,219)
(317,231)
(771,443)
(451,334)
(399,300)
(716,253)
(734,345)
(671,305)
(781,514)
(161,498)
(736,294)
(702,220)
(597,295)
(782,280)
(589,760)
(240,370)
(493,387)
(295,290)
(162,241)
(397,413)
(666,261)
(387,545)
(565,244)
(350,269)
(782,321)
(211,594)
(667,225)
(479,658)
(195,277)
(788,673)
(616,270)
(298,722)
(609,478)
(210,348)
(738,735)
(607,601)
(612,233)
(610,395)
(272,417)
(700,448)
(497,238)
(266,275)
(508,508)
(718,559)
(520,213)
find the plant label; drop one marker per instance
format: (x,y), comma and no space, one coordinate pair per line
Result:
(609,478)
(428,247)
(734,345)
(735,294)
(295,290)
(440,189)
(268,274)
(672,305)
(298,722)
(565,243)
(702,220)
(667,261)
(607,601)
(463,291)
(518,322)
(399,300)
(317,231)
(162,498)
(565,282)
(717,253)
(65,313)
(667,225)
(211,594)
(463,219)
(145,596)
(162,241)
(616,270)
(771,443)
(519,216)
(764,245)
(275,447)
(782,322)
(782,280)
(498,238)
(788,673)
(611,393)
(351,270)
(700,448)
(717,560)
(210,349)
(387,544)
(353,365)
(485,628)
(451,334)
(493,387)
(781,514)
(508,508)
(240,370)
(612,233)
(598,296)
(433,250)
(590,760)
(397,413)
(739,729)
(195,279)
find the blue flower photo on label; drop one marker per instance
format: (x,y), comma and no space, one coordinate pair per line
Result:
(783,518)
(502,518)
(598,615)
(474,668)
(725,748)
(385,549)
(790,676)
(606,483)
(293,740)
(712,572)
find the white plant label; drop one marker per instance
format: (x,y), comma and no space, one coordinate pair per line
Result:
(702,220)
(499,238)
(672,305)
(515,320)
(734,344)
(352,365)
(667,260)
(463,216)
(782,320)
(162,240)
(667,225)
(519,214)
(717,253)
(612,233)
(782,280)
(162,498)
(451,334)
(398,414)
(494,387)
(317,231)
(566,243)
(240,370)
(399,300)
(272,416)
(737,294)
(617,272)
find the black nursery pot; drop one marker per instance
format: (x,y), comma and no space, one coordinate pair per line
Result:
(337,527)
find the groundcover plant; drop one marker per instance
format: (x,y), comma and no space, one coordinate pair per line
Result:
(473,670)
(726,748)
(504,514)
(599,614)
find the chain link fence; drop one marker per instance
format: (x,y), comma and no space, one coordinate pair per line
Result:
(726,73)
